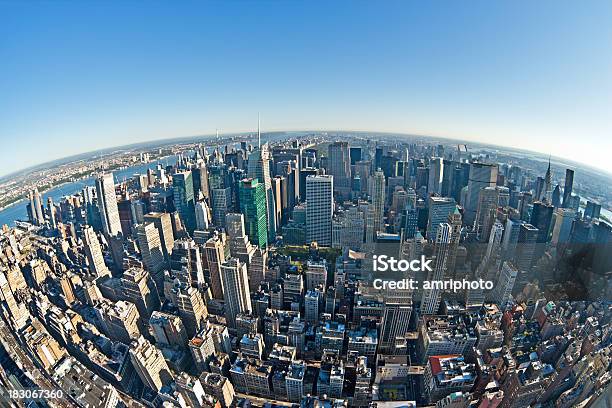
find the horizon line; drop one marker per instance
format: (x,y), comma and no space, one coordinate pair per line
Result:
(315,131)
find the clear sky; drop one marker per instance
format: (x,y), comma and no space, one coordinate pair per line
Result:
(77,76)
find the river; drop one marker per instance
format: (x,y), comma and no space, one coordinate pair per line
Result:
(18,210)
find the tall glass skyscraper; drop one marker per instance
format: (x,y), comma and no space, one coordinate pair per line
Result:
(253,206)
(259,168)
(184,199)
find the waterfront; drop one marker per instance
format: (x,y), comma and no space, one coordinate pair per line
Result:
(18,210)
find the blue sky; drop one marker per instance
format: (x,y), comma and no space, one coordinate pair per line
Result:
(77,76)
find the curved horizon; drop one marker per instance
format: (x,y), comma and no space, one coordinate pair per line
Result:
(86,76)
(479,143)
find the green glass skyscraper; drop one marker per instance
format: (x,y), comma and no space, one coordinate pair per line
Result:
(253,207)
(184,199)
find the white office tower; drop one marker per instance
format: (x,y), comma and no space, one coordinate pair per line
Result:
(312,301)
(152,253)
(95,258)
(435,176)
(259,168)
(502,292)
(481,175)
(235,290)
(202,215)
(160,174)
(319,209)
(495,239)
(432,296)
(378,200)
(107,204)
(149,363)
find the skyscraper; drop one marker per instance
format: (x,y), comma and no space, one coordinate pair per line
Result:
(378,200)
(567,190)
(17,311)
(481,175)
(564,217)
(221,203)
(107,204)
(202,215)
(431,297)
(95,258)
(257,269)
(339,166)
(215,257)
(150,365)
(35,209)
(541,218)
(140,289)
(184,199)
(51,210)
(454,220)
(259,168)
(191,307)
(439,210)
(152,253)
(168,329)
(163,223)
(592,210)
(548,185)
(253,206)
(435,176)
(488,200)
(235,290)
(234,225)
(526,247)
(395,319)
(502,293)
(221,199)
(40,216)
(186,263)
(319,209)
(312,302)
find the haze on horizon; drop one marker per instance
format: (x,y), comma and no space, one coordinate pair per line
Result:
(81,77)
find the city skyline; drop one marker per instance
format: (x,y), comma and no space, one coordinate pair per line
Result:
(341,204)
(239,276)
(396,68)
(562,161)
